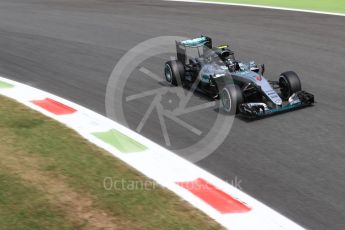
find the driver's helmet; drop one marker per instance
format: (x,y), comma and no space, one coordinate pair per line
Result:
(225,54)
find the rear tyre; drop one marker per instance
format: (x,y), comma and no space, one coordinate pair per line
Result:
(289,84)
(174,72)
(231,98)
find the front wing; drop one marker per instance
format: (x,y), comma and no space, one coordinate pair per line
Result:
(258,110)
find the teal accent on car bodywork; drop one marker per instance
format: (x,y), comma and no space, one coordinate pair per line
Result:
(195,42)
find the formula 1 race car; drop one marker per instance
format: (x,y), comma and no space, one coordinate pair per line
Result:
(240,86)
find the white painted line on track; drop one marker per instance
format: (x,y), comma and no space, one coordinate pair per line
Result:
(259,6)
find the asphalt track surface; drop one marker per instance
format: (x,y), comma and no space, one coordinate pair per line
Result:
(294,162)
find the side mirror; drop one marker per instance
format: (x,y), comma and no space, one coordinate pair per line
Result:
(262,69)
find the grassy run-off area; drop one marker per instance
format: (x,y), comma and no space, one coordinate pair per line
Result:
(335,6)
(51,178)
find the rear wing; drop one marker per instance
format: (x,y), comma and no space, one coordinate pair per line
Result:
(181,46)
(197,42)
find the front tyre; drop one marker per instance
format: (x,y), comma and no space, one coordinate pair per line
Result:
(289,84)
(231,97)
(174,72)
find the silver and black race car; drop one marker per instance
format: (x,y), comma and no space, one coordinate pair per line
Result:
(241,87)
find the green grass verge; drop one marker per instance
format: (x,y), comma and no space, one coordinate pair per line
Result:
(336,6)
(46,149)
(24,207)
